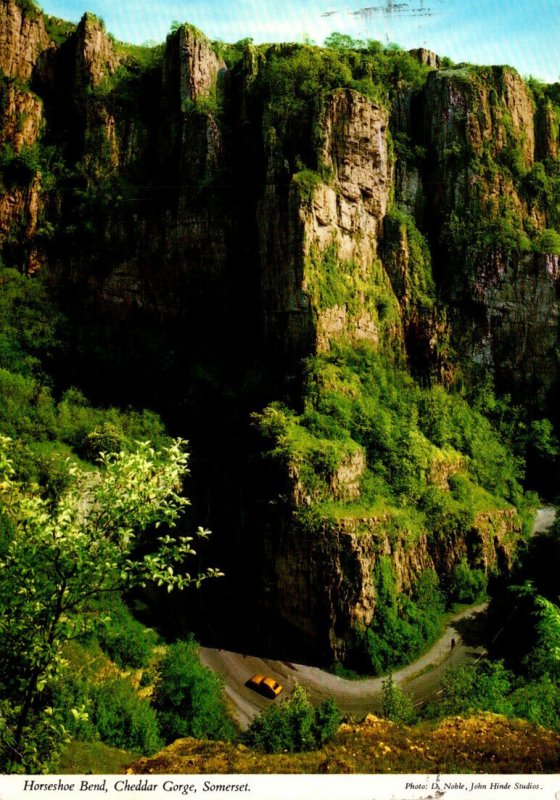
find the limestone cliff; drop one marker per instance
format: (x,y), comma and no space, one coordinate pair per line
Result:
(23,38)
(21,126)
(483,132)
(320,577)
(293,226)
(22,121)
(337,220)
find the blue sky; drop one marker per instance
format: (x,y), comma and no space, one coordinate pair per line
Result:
(523,33)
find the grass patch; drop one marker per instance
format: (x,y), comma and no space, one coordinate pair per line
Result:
(58,29)
(93,758)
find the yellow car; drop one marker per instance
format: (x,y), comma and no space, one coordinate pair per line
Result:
(266,686)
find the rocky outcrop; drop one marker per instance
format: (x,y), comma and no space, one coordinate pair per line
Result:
(150,247)
(20,207)
(546,132)
(20,203)
(483,131)
(332,226)
(518,335)
(323,583)
(190,68)
(355,148)
(426,57)
(287,315)
(96,59)
(485,743)
(23,38)
(471,110)
(95,64)
(22,120)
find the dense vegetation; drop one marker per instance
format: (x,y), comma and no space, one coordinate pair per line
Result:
(433,463)
(294,725)
(188,697)
(523,679)
(78,483)
(60,555)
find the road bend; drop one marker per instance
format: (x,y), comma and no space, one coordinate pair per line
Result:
(460,643)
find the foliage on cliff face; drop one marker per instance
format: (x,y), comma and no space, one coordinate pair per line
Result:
(29,8)
(356,398)
(294,81)
(417,461)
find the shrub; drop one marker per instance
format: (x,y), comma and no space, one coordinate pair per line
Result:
(72,693)
(543,661)
(538,702)
(188,697)
(19,168)
(29,323)
(293,725)
(469,688)
(105,438)
(466,585)
(548,242)
(401,626)
(125,640)
(123,719)
(307,182)
(397,706)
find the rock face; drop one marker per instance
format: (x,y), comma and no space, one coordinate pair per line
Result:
(261,231)
(21,125)
(519,334)
(347,215)
(95,56)
(22,120)
(191,67)
(339,219)
(479,111)
(23,38)
(426,57)
(482,133)
(323,584)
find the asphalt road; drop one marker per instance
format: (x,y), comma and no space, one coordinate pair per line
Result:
(357,697)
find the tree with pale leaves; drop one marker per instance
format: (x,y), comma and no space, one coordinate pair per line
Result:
(57,557)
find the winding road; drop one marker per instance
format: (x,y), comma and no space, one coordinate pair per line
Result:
(357,697)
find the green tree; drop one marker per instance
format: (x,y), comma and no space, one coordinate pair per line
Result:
(538,702)
(65,554)
(544,659)
(342,41)
(29,323)
(466,585)
(126,641)
(188,697)
(123,719)
(469,688)
(294,725)
(396,705)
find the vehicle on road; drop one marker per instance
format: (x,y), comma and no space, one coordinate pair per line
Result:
(265,685)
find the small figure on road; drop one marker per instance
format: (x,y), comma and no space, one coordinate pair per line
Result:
(452,643)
